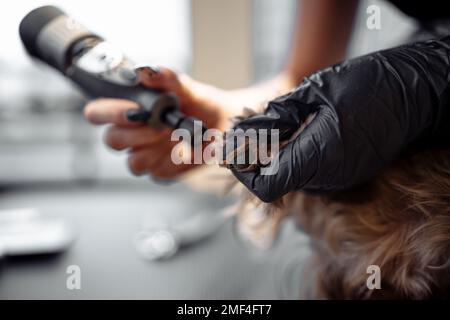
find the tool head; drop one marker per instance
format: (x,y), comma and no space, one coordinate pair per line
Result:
(48,33)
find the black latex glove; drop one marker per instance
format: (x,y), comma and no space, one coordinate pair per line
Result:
(368,110)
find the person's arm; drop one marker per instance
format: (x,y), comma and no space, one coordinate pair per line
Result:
(320,38)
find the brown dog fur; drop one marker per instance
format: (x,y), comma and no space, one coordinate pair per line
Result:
(399,221)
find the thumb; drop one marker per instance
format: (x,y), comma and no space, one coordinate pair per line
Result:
(298,164)
(158,78)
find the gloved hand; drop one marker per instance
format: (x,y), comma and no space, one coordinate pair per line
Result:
(368,110)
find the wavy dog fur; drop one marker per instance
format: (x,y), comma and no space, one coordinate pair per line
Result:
(399,221)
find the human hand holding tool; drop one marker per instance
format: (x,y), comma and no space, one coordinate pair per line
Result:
(98,68)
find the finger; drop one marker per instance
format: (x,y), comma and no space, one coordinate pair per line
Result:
(285,113)
(104,111)
(120,138)
(161,78)
(270,187)
(146,160)
(296,165)
(147,72)
(166,169)
(284,123)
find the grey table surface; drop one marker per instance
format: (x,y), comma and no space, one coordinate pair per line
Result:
(107,216)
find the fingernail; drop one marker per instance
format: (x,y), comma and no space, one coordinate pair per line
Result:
(154,69)
(137,115)
(149,70)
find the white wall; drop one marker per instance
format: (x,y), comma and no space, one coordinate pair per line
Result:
(146,29)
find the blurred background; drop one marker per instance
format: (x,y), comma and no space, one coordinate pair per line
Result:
(53,162)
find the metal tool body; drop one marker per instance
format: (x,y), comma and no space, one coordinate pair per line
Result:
(97,67)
